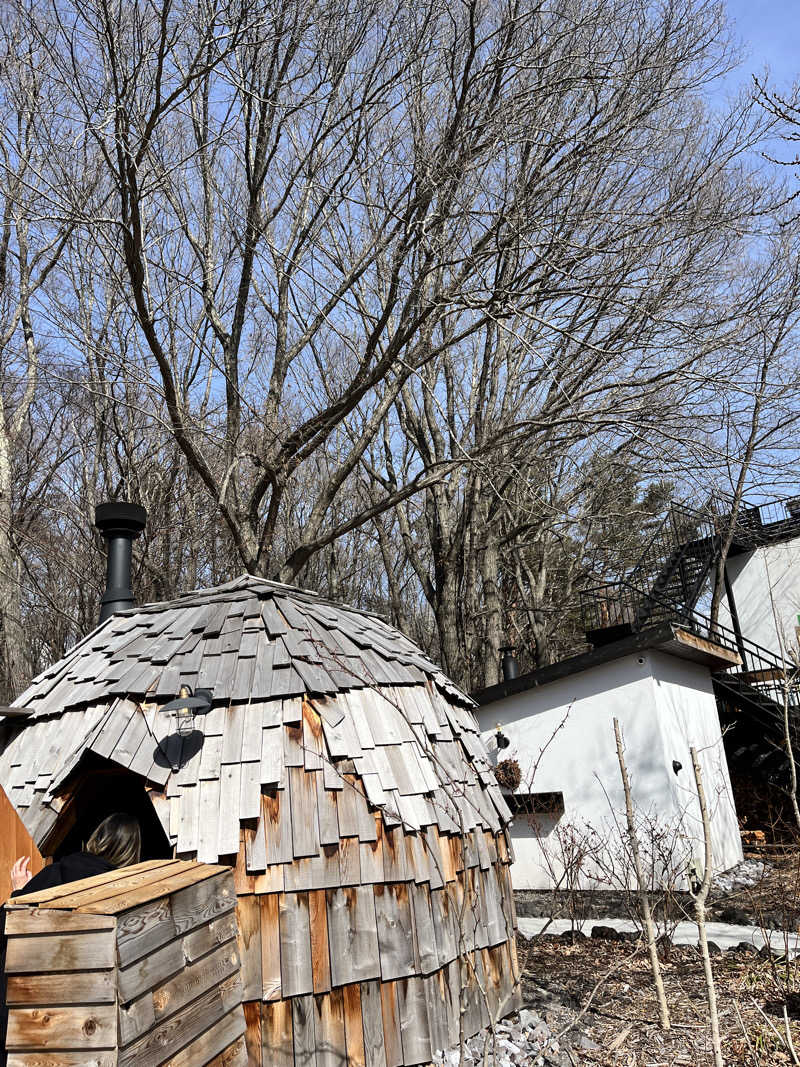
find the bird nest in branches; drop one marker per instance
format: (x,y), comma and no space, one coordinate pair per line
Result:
(508,774)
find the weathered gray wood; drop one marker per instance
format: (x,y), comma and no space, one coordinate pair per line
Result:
(250,797)
(194,980)
(395,931)
(349,862)
(225,1036)
(276,806)
(304,1035)
(229,796)
(354,817)
(203,902)
(413,1012)
(293,754)
(327,808)
(208,937)
(374,1054)
(256,846)
(272,768)
(144,929)
(208,850)
(425,951)
(353,935)
(305,823)
(189,826)
(146,973)
(295,933)
(176,1032)
(136,1018)
(88,951)
(248,917)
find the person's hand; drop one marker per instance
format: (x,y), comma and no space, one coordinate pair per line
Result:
(21,873)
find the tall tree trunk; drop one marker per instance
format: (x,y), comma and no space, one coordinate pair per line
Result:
(493,607)
(14,659)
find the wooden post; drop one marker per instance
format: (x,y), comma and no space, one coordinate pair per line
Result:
(15,841)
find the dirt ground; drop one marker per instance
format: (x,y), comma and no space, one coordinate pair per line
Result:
(611,983)
(774,901)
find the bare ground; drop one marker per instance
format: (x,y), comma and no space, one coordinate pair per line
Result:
(610,982)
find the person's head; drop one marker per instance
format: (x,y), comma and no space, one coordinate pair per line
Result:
(118,839)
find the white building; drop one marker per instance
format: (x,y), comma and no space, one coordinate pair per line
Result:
(765,588)
(570,805)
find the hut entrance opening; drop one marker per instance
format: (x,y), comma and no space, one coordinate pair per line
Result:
(99,788)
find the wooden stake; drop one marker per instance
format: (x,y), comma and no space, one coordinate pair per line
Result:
(700,897)
(644,899)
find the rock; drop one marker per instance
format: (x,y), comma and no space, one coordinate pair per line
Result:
(607,933)
(746,946)
(736,916)
(529,1018)
(573,935)
(713,948)
(586,1043)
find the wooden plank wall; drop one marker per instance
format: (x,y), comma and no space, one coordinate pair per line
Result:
(136,968)
(374,975)
(15,841)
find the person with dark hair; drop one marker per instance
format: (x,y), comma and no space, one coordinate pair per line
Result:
(117,842)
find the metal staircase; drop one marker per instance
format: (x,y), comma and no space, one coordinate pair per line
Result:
(754,697)
(674,567)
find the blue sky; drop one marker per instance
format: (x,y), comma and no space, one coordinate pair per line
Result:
(770,34)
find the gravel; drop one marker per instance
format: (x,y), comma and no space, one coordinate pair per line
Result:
(745,874)
(524,1039)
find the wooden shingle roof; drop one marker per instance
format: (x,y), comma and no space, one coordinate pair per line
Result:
(298,682)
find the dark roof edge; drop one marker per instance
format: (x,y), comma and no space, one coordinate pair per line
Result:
(661,638)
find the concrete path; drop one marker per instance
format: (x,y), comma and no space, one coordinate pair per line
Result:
(725,935)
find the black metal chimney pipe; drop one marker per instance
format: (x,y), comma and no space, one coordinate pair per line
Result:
(509,664)
(120,523)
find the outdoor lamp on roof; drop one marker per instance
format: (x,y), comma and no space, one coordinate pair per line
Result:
(186,706)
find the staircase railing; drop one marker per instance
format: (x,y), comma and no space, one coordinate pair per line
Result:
(677,558)
(762,676)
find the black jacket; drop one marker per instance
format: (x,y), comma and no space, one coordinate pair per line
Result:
(69,869)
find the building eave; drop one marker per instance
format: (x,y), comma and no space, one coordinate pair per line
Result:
(669,638)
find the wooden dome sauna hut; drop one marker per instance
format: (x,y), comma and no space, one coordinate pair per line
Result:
(331,764)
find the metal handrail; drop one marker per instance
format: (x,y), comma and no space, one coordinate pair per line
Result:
(730,639)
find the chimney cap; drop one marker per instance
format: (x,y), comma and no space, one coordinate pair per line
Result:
(119,517)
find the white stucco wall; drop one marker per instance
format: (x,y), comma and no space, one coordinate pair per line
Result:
(664,705)
(752,575)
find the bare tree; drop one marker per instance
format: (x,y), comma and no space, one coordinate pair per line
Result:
(33,235)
